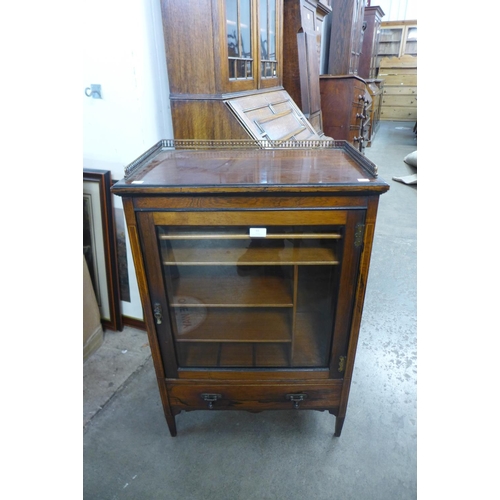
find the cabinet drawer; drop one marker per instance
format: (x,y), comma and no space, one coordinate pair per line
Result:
(400,90)
(399,100)
(398,113)
(408,80)
(253,396)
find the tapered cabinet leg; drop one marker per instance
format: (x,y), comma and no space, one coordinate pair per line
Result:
(339,423)
(171,425)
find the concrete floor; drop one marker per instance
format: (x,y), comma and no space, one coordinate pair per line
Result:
(128,452)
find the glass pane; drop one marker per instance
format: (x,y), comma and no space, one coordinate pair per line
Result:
(232,72)
(241,73)
(411,42)
(232,27)
(245,28)
(272,30)
(391,35)
(263,32)
(240,300)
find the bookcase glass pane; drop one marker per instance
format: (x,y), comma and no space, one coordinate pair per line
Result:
(272,30)
(263,30)
(232,28)
(239,39)
(243,297)
(411,42)
(245,28)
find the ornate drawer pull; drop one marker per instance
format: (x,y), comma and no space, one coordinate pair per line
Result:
(210,399)
(296,399)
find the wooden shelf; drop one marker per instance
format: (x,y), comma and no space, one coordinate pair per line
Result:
(224,235)
(236,355)
(400,35)
(193,355)
(248,291)
(239,325)
(311,349)
(227,355)
(264,319)
(228,252)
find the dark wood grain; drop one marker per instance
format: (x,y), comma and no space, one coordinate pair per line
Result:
(196,51)
(346,37)
(299,170)
(367,59)
(302,28)
(254,349)
(342,101)
(261,396)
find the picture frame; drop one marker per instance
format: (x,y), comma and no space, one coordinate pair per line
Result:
(99,245)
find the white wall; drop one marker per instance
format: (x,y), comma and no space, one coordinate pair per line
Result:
(397,10)
(124,53)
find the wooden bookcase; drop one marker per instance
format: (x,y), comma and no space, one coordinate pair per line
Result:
(302,38)
(252,265)
(397,39)
(225,61)
(371,39)
(346,37)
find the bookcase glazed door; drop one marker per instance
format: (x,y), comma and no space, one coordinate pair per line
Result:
(251,290)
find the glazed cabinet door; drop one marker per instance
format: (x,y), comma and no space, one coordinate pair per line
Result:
(247,290)
(215,47)
(252,44)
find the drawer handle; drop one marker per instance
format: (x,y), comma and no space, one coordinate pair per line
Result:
(296,399)
(210,399)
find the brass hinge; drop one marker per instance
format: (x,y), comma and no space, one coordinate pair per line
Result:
(358,235)
(342,363)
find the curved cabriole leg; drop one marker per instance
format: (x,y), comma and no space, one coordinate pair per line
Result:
(339,422)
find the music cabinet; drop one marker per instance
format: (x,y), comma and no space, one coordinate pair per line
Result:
(252,263)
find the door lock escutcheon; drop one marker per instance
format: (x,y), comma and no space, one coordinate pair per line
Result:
(157,313)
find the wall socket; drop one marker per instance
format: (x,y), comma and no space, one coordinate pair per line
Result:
(94,91)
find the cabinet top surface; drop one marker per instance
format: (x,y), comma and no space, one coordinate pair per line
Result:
(166,170)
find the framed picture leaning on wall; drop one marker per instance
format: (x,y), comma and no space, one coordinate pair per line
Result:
(99,245)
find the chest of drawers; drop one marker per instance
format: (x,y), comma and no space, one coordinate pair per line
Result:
(346,106)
